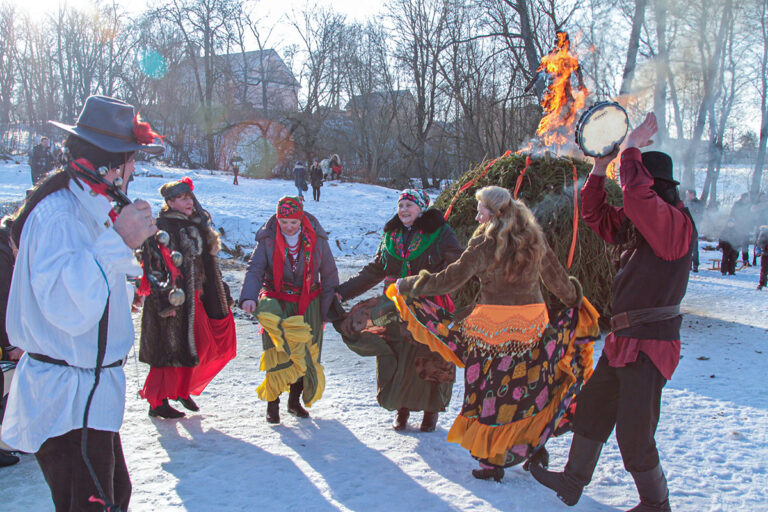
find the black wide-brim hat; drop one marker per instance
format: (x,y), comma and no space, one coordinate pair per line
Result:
(108,123)
(659,165)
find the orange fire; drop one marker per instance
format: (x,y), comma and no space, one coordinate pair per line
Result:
(561,103)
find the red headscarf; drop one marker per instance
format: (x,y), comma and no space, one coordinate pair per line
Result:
(291,208)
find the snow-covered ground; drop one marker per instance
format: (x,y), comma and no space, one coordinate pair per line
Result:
(712,434)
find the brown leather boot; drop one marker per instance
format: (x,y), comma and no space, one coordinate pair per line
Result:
(401,420)
(429,422)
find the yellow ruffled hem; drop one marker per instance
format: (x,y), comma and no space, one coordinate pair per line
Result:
(297,334)
(418,331)
(314,352)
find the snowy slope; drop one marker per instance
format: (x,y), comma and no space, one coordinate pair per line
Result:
(712,435)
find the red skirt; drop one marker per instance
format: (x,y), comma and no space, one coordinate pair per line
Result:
(216,344)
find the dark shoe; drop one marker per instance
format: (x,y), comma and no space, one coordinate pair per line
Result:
(488,473)
(165,411)
(273,411)
(760,286)
(7,459)
(429,422)
(569,484)
(652,488)
(540,457)
(189,404)
(401,420)
(294,405)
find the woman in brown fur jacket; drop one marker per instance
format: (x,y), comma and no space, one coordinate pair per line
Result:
(186,345)
(522,371)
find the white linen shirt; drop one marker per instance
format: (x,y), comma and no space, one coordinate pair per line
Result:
(70,260)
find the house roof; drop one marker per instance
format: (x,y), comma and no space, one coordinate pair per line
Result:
(258,62)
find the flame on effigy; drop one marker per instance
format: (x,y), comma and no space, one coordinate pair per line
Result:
(561,101)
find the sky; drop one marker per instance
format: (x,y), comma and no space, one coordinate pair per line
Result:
(358,10)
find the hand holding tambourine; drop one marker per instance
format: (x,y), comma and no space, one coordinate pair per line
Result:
(601,128)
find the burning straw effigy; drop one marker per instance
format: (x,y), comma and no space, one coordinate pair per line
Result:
(548,184)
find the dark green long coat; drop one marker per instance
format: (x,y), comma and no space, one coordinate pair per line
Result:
(402,365)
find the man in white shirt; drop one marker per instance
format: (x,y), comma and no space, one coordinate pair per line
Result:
(69,309)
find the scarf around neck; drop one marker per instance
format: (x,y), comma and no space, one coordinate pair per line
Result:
(307,240)
(394,244)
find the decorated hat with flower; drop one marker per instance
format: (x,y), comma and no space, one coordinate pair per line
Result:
(111,124)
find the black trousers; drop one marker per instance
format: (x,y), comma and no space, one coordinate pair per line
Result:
(315,193)
(728,263)
(764,268)
(64,470)
(628,399)
(695,259)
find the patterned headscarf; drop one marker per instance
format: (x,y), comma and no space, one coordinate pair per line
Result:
(417,196)
(290,207)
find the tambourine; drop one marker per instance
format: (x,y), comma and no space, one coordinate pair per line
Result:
(601,127)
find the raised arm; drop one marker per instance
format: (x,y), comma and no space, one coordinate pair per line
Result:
(603,218)
(665,227)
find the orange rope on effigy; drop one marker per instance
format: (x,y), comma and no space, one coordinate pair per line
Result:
(472,182)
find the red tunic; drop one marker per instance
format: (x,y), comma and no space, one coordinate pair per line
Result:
(666,229)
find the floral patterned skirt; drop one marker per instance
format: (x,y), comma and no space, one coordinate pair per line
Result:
(523,372)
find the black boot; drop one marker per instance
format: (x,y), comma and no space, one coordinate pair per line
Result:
(582,461)
(652,488)
(540,457)
(165,411)
(401,420)
(294,405)
(273,411)
(7,459)
(189,404)
(487,473)
(429,422)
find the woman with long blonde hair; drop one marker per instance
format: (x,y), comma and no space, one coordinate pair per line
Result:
(522,370)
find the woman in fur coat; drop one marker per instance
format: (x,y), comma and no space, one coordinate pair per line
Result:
(522,370)
(410,378)
(187,345)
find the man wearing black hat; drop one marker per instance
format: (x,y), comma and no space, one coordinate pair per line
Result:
(655,231)
(69,309)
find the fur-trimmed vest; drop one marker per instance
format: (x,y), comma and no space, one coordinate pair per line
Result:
(443,251)
(169,340)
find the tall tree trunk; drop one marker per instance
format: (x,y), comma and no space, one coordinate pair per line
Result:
(527,33)
(711,75)
(634,44)
(662,67)
(757,175)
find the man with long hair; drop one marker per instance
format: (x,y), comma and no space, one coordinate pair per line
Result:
(70,311)
(655,231)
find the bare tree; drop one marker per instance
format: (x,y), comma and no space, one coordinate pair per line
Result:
(8,57)
(761,15)
(419,33)
(638,18)
(206,27)
(320,31)
(710,50)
